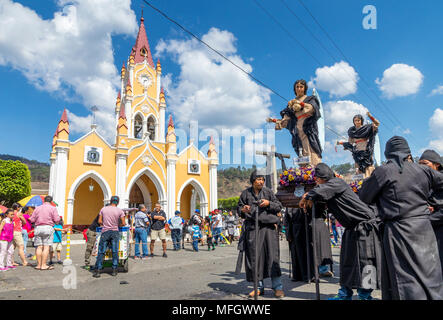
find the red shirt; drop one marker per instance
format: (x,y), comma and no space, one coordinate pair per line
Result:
(17,222)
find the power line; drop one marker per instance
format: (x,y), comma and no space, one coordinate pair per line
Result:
(309,52)
(221,55)
(389,112)
(214,50)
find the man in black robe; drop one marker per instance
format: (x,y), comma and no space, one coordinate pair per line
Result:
(268,238)
(294,220)
(433,160)
(401,189)
(360,249)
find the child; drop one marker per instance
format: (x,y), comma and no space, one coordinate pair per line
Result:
(196,235)
(208,232)
(57,243)
(6,237)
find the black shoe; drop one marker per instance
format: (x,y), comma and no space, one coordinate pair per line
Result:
(165,255)
(114,272)
(152,255)
(96,274)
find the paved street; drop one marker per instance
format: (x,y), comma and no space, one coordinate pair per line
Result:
(183,275)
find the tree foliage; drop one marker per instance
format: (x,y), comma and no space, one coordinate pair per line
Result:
(342,168)
(15,181)
(39,170)
(228,204)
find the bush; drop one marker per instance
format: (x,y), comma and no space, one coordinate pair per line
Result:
(228,204)
(15,181)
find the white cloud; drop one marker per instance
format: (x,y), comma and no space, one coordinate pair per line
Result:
(339,114)
(436,127)
(339,80)
(70,55)
(211,90)
(437,91)
(330,156)
(400,80)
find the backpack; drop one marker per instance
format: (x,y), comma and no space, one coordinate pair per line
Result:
(176,222)
(196,220)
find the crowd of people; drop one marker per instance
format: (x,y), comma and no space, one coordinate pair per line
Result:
(19,224)
(216,229)
(389,232)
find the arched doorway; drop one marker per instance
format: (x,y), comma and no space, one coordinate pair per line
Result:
(143,191)
(88,194)
(191,196)
(88,202)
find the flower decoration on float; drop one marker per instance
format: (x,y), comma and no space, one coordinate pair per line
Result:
(297,176)
(356,185)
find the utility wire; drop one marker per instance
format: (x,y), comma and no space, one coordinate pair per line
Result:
(224,57)
(389,112)
(214,50)
(307,51)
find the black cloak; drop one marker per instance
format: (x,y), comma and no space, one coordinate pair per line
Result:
(268,237)
(363,158)
(310,127)
(296,236)
(436,201)
(360,251)
(401,189)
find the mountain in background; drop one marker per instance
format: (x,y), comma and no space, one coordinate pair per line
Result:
(39,170)
(231,181)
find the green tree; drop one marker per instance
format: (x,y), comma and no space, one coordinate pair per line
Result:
(15,181)
(342,168)
(229,203)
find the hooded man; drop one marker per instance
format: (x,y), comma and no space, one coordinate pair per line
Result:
(433,160)
(268,239)
(360,248)
(401,189)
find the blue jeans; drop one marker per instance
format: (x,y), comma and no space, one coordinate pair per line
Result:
(25,239)
(195,244)
(334,232)
(276,284)
(363,294)
(108,238)
(141,235)
(217,234)
(176,235)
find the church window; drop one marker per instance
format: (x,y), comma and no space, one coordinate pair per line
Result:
(151,128)
(138,127)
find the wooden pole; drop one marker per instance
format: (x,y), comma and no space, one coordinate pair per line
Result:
(314,251)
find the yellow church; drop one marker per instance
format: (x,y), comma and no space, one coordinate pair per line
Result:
(143,165)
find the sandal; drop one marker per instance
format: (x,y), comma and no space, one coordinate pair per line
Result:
(36,268)
(252,295)
(48,268)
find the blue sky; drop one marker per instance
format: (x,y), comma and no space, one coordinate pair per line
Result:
(403,53)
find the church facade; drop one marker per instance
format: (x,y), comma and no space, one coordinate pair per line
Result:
(143,165)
